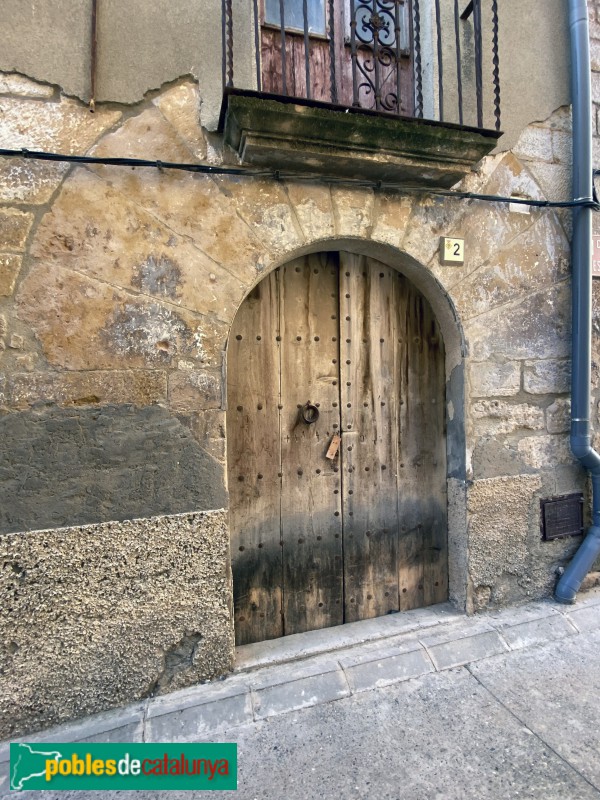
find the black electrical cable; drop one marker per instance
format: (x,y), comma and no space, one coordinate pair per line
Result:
(209,169)
(38,155)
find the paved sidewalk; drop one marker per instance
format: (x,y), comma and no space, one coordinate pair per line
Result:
(424,704)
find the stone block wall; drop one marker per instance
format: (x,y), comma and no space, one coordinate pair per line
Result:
(110,353)
(118,287)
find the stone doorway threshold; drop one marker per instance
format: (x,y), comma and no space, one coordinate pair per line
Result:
(440,637)
(300,646)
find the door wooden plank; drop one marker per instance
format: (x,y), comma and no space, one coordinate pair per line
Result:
(311,501)
(423,565)
(368,442)
(435,571)
(410,560)
(362,345)
(254,458)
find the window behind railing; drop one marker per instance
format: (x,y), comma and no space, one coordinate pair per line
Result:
(416,58)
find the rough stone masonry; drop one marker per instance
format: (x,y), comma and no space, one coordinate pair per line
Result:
(117,291)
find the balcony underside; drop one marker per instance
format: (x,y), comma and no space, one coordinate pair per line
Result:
(298,135)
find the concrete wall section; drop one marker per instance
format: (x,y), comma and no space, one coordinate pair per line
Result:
(140,47)
(101,615)
(534,63)
(58,37)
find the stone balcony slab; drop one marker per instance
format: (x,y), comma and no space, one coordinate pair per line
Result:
(303,136)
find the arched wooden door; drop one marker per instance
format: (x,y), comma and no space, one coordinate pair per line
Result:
(336,448)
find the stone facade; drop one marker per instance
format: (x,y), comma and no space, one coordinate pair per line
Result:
(118,287)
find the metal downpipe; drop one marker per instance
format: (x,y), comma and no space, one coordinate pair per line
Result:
(581,257)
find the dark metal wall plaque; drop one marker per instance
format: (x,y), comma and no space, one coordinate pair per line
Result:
(561,516)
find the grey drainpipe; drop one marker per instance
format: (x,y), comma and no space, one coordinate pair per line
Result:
(581,257)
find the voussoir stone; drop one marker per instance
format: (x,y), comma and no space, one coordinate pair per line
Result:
(313,208)
(390,218)
(189,204)
(64,127)
(95,229)
(266,209)
(181,107)
(147,135)
(352,211)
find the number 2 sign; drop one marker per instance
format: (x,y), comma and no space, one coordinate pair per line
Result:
(452,252)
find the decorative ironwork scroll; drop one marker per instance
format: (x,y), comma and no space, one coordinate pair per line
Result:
(376,52)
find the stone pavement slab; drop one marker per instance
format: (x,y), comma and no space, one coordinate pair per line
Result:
(466,650)
(381,709)
(442,736)
(586,619)
(303,693)
(439,736)
(555,692)
(388,670)
(538,631)
(196,722)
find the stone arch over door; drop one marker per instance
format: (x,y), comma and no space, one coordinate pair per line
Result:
(318,541)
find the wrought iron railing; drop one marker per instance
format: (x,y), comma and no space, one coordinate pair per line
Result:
(419,58)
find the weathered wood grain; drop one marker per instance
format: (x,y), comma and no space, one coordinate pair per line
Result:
(295,75)
(398,99)
(310,494)
(423,564)
(254,458)
(317,541)
(368,386)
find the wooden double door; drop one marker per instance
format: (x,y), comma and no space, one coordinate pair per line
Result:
(336,448)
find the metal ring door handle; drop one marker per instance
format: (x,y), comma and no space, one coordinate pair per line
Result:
(310,413)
